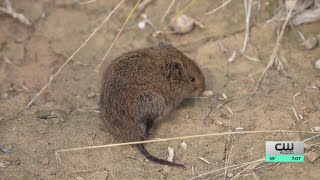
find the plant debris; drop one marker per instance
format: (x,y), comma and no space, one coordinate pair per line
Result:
(5,150)
(166,168)
(9,10)
(204,160)
(184,145)
(4,164)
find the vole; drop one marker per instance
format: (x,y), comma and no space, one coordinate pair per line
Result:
(141,87)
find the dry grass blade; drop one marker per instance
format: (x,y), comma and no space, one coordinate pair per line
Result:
(59,162)
(248,15)
(252,58)
(167,11)
(273,58)
(219,7)
(250,167)
(237,166)
(308,139)
(88,2)
(295,113)
(227,159)
(295,107)
(204,160)
(68,60)
(185,137)
(115,39)
(184,9)
(58,158)
(142,6)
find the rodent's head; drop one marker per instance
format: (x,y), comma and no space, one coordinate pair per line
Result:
(183,71)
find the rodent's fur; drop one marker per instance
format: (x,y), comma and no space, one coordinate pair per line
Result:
(141,87)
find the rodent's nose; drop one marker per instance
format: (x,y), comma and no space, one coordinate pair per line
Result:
(198,90)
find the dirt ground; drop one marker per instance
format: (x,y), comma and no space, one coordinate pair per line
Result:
(34,53)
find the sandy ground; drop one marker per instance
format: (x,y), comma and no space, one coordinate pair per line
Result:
(58,29)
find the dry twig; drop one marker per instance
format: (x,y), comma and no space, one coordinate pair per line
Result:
(219,7)
(142,6)
(167,11)
(9,10)
(185,137)
(88,2)
(184,9)
(236,165)
(248,14)
(274,59)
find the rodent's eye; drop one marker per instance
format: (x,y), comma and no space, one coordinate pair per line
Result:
(192,79)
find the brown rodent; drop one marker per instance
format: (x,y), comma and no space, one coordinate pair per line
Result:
(141,87)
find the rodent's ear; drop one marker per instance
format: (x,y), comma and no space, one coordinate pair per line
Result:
(174,70)
(164,45)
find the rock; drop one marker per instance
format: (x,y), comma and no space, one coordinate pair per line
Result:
(310,43)
(182,24)
(316,128)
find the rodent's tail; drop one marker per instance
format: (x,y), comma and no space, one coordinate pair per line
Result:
(157,160)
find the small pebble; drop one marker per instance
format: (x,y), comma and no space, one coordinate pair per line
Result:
(45,161)
(184,145)
(91,95)
(142,24)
